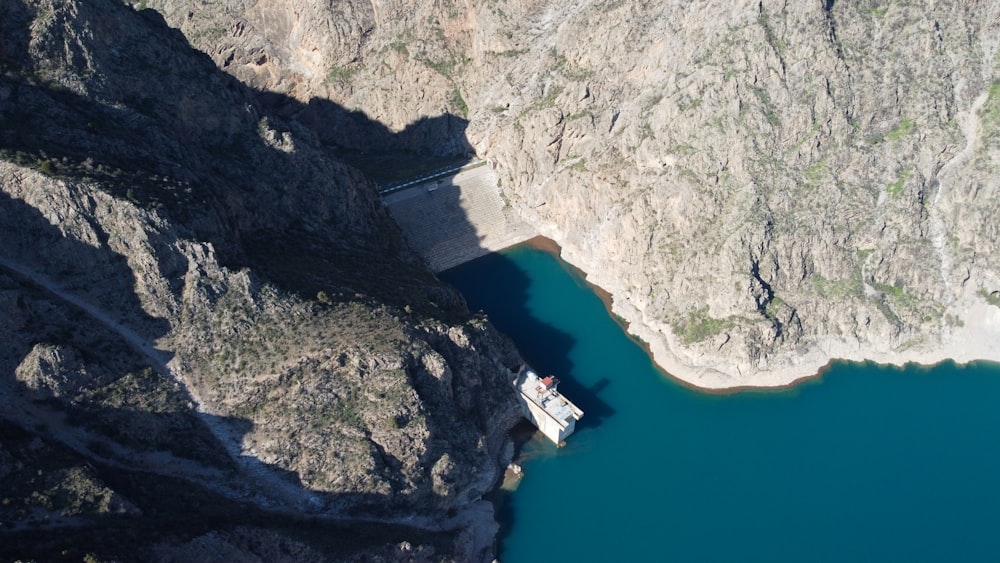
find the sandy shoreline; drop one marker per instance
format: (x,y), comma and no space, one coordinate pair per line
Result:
(977,340)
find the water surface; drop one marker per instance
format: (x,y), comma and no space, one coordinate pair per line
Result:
(868,463)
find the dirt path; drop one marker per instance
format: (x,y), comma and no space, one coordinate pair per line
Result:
(141,345)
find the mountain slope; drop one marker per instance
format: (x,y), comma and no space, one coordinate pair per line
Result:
(201,302)
(762,186)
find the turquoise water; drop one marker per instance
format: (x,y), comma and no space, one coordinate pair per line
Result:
(867,464)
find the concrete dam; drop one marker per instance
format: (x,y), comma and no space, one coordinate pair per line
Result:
(457,217)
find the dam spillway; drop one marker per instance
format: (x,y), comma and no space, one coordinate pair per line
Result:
(453,219)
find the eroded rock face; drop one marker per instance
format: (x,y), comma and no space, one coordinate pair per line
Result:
(762,186)
(52,371)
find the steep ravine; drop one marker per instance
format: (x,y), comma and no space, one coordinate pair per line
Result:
(217,345)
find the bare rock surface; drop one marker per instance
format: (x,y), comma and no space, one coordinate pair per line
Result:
(757,211)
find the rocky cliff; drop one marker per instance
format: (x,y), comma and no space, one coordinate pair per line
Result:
(216,344)
(762,186)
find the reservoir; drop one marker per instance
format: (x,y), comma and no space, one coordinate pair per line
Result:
(867,463)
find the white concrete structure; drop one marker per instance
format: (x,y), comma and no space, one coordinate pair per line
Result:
(543,405)
(455,219)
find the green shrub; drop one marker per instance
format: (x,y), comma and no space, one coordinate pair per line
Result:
(991,297)
(458,101)
(699,326)
(340,74)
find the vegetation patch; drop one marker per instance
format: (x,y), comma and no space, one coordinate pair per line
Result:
(954,320)
(886,311)
(445,68)
(991,112)
(898,295)
(562,65)
(549,100)
(698,326)
(510,53)
(773,307)
(684,149)
(896,188)
(816,172)
(837,289)
(458,102)
(400,48)
(991,297)
(810,135)
(770,113)
(687,102)
(340,74)
(779,46)
(905,127)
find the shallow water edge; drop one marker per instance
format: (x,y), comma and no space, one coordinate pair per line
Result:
(553,248)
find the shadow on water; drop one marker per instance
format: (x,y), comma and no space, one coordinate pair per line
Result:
(502,288)
(237,182)
(498,286)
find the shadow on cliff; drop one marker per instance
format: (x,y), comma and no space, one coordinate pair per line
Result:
(155,514)
(79,302)
(260,175)
(37,255)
